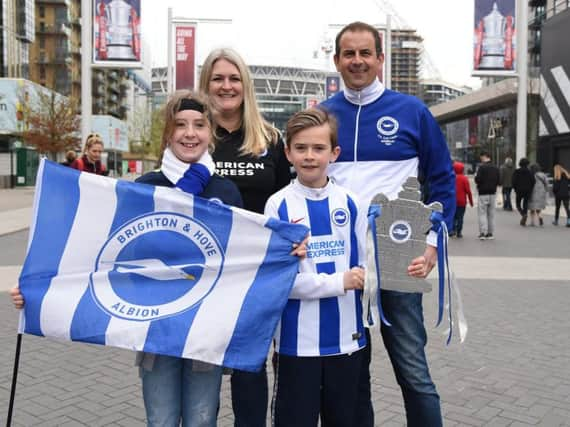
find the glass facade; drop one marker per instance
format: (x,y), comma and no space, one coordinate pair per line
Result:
(494,132)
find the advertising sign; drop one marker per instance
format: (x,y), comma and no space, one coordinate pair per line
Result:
(184,56)
(17,98)
(312,102)
(113,132)
(494,43)
(555,77)
(332,85)
(117,33)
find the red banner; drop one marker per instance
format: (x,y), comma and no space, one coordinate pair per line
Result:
(185,56)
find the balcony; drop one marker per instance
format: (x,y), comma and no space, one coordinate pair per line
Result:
(42,59)
(56,2)
(60,30)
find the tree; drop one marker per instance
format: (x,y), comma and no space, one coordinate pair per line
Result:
(52,123)
(157,126)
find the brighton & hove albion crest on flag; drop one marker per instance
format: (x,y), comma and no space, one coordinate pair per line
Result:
(154,269)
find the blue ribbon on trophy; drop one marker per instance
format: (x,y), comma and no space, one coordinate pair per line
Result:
(396,235)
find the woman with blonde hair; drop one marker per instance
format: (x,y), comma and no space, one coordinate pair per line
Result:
(90,161)
(537,201)
(250,152)
(561,192)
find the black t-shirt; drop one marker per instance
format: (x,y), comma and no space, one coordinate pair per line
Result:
(257,177)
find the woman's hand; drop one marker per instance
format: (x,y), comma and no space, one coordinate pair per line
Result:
(17,298)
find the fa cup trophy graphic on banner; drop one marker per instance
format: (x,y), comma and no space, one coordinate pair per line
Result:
(494,47)
(117,32)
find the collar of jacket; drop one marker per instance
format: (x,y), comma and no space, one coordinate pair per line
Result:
(365,96)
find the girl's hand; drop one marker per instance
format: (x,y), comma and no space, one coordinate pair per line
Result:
(17,298)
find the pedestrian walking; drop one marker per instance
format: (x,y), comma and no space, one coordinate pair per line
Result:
(523,181)
(561,193)
(462,195)
(506,182)
(385,138)
(537,202)
(487,180)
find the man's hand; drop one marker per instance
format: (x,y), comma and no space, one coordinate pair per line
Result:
(17,298)
(354,278)
(422,265)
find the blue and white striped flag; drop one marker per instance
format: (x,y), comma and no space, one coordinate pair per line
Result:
(154,269)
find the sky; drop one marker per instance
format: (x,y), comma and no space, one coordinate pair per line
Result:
(270,33)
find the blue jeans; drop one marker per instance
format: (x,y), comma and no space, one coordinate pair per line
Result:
(249,397)
(405,341)
(507,205)
(177,393)
(458,220)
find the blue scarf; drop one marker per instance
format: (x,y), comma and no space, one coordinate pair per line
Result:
(189,177)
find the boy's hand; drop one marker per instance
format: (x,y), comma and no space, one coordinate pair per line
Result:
(300,249)
(354,278)
(17,297)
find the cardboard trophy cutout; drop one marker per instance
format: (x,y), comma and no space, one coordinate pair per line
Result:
(401,232)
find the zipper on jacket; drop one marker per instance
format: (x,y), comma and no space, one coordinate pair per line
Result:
(355,157)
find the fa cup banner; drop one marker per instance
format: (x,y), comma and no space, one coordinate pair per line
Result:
(494,44)
(117,33)
(154,269)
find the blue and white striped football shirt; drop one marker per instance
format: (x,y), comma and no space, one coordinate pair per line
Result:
(320,318)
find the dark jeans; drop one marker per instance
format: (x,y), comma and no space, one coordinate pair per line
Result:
(405,341)
(307,387)
(522,203)
(458,219)
(507,199)
(559,202)
(364,409)
(249,398)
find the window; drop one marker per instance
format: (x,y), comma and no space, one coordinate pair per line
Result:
(42,11)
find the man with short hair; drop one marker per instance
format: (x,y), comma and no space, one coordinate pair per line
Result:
(487,180)
(386,137)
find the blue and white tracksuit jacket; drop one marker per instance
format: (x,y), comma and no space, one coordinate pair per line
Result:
(386,137)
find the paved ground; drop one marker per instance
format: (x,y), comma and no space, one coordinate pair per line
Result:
(513,369)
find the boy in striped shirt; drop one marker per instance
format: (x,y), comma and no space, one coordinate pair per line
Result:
(321,334)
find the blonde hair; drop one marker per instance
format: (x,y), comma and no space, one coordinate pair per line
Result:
(92,139)
(558,171)
(258,133)
(172,107)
